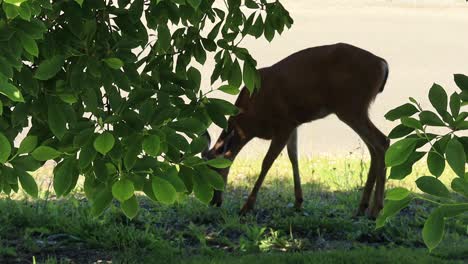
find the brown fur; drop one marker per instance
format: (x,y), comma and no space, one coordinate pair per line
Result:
(309,85)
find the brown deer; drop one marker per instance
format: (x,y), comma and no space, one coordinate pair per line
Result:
(309,85)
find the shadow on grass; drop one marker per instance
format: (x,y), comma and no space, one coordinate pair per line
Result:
(62,231)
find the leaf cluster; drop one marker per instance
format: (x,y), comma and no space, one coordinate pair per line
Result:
(110,91)
(414,133)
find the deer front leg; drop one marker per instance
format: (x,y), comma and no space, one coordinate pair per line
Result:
(292,153)
(217,199)
(277,144)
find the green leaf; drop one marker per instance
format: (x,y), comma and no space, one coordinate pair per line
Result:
(451,210)
(202,190)
(172,176)
(136,10)
(80,2)
(26,163)
(432,186)
(114,63)
(235,77)
(251,4)
(148,190)
(56,119)
(29,44)
(27,183)
(438,98)
(104,143)
(194,76)
(5,148)
(15,2)
(269,31)
(257,28)
(397,193)
(123,190)
(216,116)
(11,11)
(25,12)
(400,131)
(431,119)
(87,155)
(194,3)
(462,81)
(198,145)
(5,68)
(217,108)
(211,177)
(131,155)
(63,176)
(249,75)
(455,104)
(411,122)
(11,92)
(28,144)
(456,156)
(401,111)
(189,125)
(101,201)
(464,97)
(433,230)
(441,144)
(100,170)
(214,32)
(49,68)
(200,54)
(400,151)
(186,175)
(460,185)
(435,163)
(130,207)
(152,145)
(229,89)
(163,190)
(164,38)
(399,172)
(391,208)
(223,106)
(44,153)
(219,163)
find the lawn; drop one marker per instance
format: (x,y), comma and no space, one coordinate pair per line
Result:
(52,230)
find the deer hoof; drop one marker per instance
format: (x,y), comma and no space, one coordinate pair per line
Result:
(245,209)
(361,211)
(217,200)
(298,207)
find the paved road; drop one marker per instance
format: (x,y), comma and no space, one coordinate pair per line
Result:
(424,42)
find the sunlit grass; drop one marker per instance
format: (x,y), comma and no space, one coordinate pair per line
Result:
(331,186)
(331,173)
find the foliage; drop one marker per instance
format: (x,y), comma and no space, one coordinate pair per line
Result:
(111,92)
(449,147)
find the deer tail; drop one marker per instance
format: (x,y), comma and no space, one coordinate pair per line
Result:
(386,70)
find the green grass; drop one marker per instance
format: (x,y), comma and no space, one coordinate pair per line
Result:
(62,231)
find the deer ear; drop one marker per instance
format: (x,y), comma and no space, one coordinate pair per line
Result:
(206,135)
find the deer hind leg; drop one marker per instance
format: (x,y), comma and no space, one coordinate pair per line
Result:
(381,145)
(377,144)
(292,153)
(370,183)
(277,144)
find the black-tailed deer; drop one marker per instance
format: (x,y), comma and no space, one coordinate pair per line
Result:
(308,85)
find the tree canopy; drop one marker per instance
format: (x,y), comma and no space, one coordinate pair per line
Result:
(110,90)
